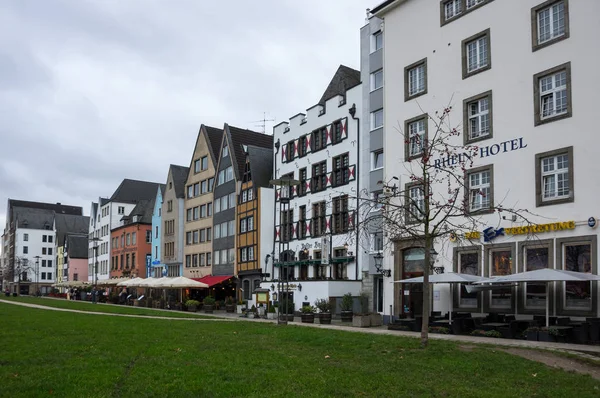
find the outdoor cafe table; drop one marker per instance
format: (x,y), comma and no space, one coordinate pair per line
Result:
(493,325)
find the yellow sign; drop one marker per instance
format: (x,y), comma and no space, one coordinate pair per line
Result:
(539,228)
(473,235)
(262,297)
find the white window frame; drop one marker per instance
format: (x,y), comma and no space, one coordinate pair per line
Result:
(375,156)
(244,196)
(197,166)
(477,53)
(376,83)
(250,251)
(478,198)
(558,85)
(374,114)
(225,151)
(217,232)
(217,205)
(416,76)
(231,258)
(374,37)
(479,120)
(416,204)
(416,129)
(473,3)
(550,13)
(557,173)
(243,255)
(196,213)
(231,227)
(216,258)
(204,159)
(373,247)
(250,223)
(229,174)
(221,177)
(231,200)
(242,225)
(452,9)
(250,195)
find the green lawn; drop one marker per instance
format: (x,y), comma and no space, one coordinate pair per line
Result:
(62,354)
(108,308)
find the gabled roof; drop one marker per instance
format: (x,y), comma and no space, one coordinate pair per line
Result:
(77,246)
(143,209)
(213,137)
(31,218)
(344,79)
(57,207)
(179,175)
(261,165)
(132,191)
(67,224)
(239,137)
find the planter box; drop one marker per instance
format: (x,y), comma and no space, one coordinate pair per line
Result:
(545,336)
(346,316)
(361,321)
(308,318)
(192,308)
(136,303)
(240,309)
(325,318)
(230,308)
(271,315)
(289,318)
(376,320)
(208,309)
(532,336)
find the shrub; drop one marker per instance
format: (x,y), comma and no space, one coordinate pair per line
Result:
(271,309)
(208,300)
(439,330)
(190,303)
(486,333)
(229,301)
(347,302)
(364,303)
(323,305)
(308,309)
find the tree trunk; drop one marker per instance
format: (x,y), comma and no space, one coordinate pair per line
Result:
(426,295)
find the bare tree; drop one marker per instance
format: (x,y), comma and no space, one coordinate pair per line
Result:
(437,203)
(20,266)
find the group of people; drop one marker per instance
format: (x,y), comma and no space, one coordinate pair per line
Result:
(73,294)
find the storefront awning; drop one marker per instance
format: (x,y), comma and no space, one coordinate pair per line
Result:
(213,280)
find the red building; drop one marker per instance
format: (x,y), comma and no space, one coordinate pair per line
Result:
(131,242)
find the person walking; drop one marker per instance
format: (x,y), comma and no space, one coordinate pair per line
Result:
(94,295)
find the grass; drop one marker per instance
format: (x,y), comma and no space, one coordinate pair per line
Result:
(73,355)
(105,308)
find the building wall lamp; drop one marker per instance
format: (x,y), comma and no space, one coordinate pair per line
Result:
(378,265)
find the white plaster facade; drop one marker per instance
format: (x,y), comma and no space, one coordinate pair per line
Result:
(413,32)
(37,242)
(337,109)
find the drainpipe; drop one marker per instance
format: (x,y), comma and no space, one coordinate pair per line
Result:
(277,145)
(352,112)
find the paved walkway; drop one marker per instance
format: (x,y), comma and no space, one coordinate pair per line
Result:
(589,351)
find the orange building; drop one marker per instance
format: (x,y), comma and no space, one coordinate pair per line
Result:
(131,242)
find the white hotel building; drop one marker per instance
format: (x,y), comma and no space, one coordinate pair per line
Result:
(316,235)
(521,77)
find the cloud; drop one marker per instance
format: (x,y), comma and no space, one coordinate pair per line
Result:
(92,92)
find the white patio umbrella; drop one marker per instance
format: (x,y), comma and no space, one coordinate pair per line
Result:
(543,275)
(130,282)
(148,282)
(112,282)
(450,278)
(182,282)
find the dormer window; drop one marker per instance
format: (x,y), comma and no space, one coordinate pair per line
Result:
(225,151)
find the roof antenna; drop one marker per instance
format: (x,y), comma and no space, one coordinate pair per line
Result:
(263,122)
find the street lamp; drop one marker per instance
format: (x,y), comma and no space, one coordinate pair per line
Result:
(37,273)
(95,269)
(285,184)
(379,265)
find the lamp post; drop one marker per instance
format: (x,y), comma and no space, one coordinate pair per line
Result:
(379,265)
(432,258)
(95,268)
(285,184)
(37,273)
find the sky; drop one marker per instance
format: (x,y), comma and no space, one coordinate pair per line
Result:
(95,91)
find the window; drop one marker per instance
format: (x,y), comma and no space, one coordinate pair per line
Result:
(377,80)
(341,217)
(302,186)
(378,200)
(478,117)
(188,238)
(476,54)
(128,239)
(188,215)
(318,139)
(204,163)
(287,225)
(302,222)
(452,8)
(415,136)
(149,236)
(204,187)
(376,242)
(202,235)
(211,182)
(195,237)
(209,209)
(49,263)
(341,172)
(217,258)
(318,223)
(319,177)
(43,263)
(415,202)
(231,258)
(336,134)
(289,151)
(246,290)
(467,262)
(577,255)
(536,256)
(302,146)
(43,276)
(250,223)
(25,237)
(223,227)
(244,196)
(190,191)
(231,200)
(473,3)
(552,91)
(224,202)
(376,41)
(208,259)
(44,238)
(194,260)
(415,80)
(554,177)
(121,210)
(134,238)
(188,261)
(500,264)
(225,151)
(217,205)
(376,119)
(196,211)
(231,227)
(377,160)
(203,211)
(550,23)
(43,250)
(202,260)
(229,174)
(221,177)
(481,193)
(243,254)
(196,166)
(243,225)
(251,253)
(170,206)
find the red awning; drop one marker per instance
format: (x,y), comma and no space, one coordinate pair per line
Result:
(213,280)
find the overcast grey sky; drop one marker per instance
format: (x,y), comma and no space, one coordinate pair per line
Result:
(94,91)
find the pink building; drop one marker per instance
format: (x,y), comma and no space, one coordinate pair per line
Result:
(76,257)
